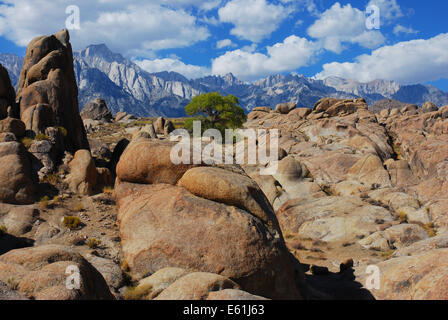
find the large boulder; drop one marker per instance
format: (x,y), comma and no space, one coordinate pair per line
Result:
(429,107)
(370,171)
(196,286)
(232,189)
(38,117)
(47,85)
(149,162)
(338,107)
(166,226)
(285,108)
(419,277)
(83,174)
(7,93)
(16,178)
(12,125)
(40,273)
(96,110)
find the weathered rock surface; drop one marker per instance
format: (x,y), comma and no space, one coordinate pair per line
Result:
(47,89)
(7,94)
(420,277)
(166,226)
(12,125)
(40,273)
(96,110)
(83,174)
(148,161)
(17,184)
(196,286)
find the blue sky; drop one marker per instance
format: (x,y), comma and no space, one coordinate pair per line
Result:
(251,38)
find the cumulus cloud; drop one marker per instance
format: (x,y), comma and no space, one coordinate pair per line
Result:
(344,24)
(224,43)
(408,62)
(175,65)
(398,29)
(253,20)
(138,25)
(294,52)
(389,10)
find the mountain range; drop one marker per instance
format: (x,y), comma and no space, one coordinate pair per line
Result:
(101,73)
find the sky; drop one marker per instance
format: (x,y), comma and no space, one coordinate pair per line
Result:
(400,40)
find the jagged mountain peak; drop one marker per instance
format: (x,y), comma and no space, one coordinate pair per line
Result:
(103,52)
(126,87)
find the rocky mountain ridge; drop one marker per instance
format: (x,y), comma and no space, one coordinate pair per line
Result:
(101,73)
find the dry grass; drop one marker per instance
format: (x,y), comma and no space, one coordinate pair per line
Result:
(42,137)
(51,178)
(93,243)
(63,131)
(108,190)
(402,217)
(430,229)
(138,293)
(44,202)
(71,222)
(387,254)
(27,142)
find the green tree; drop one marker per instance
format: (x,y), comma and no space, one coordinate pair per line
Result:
(215,112)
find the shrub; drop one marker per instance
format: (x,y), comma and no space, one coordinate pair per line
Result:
(402,217)
(51,178)
(71,222)
(27,142)
(13,284)
(108,190)
(44,202)
(125,266)
(93,243)
(63,131)
(42,137)
(429,228)
(138,293)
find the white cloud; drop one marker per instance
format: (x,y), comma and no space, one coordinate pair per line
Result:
(409,62)
(224,43)
(175,65)
(339,25)
(294,52)
(253,20)
(136,25)
(389,10)
(398,29)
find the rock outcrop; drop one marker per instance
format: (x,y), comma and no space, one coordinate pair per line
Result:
(40,273)
(47,90)
(203,219)
(7,95)
(83,173)
(17,184)
(96,110)
(381,188)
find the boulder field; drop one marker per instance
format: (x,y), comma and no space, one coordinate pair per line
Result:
(98,194)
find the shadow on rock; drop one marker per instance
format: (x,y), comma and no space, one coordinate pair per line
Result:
(9,242)
(325,285)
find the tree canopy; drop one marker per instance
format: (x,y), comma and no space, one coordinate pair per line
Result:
(215,112)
